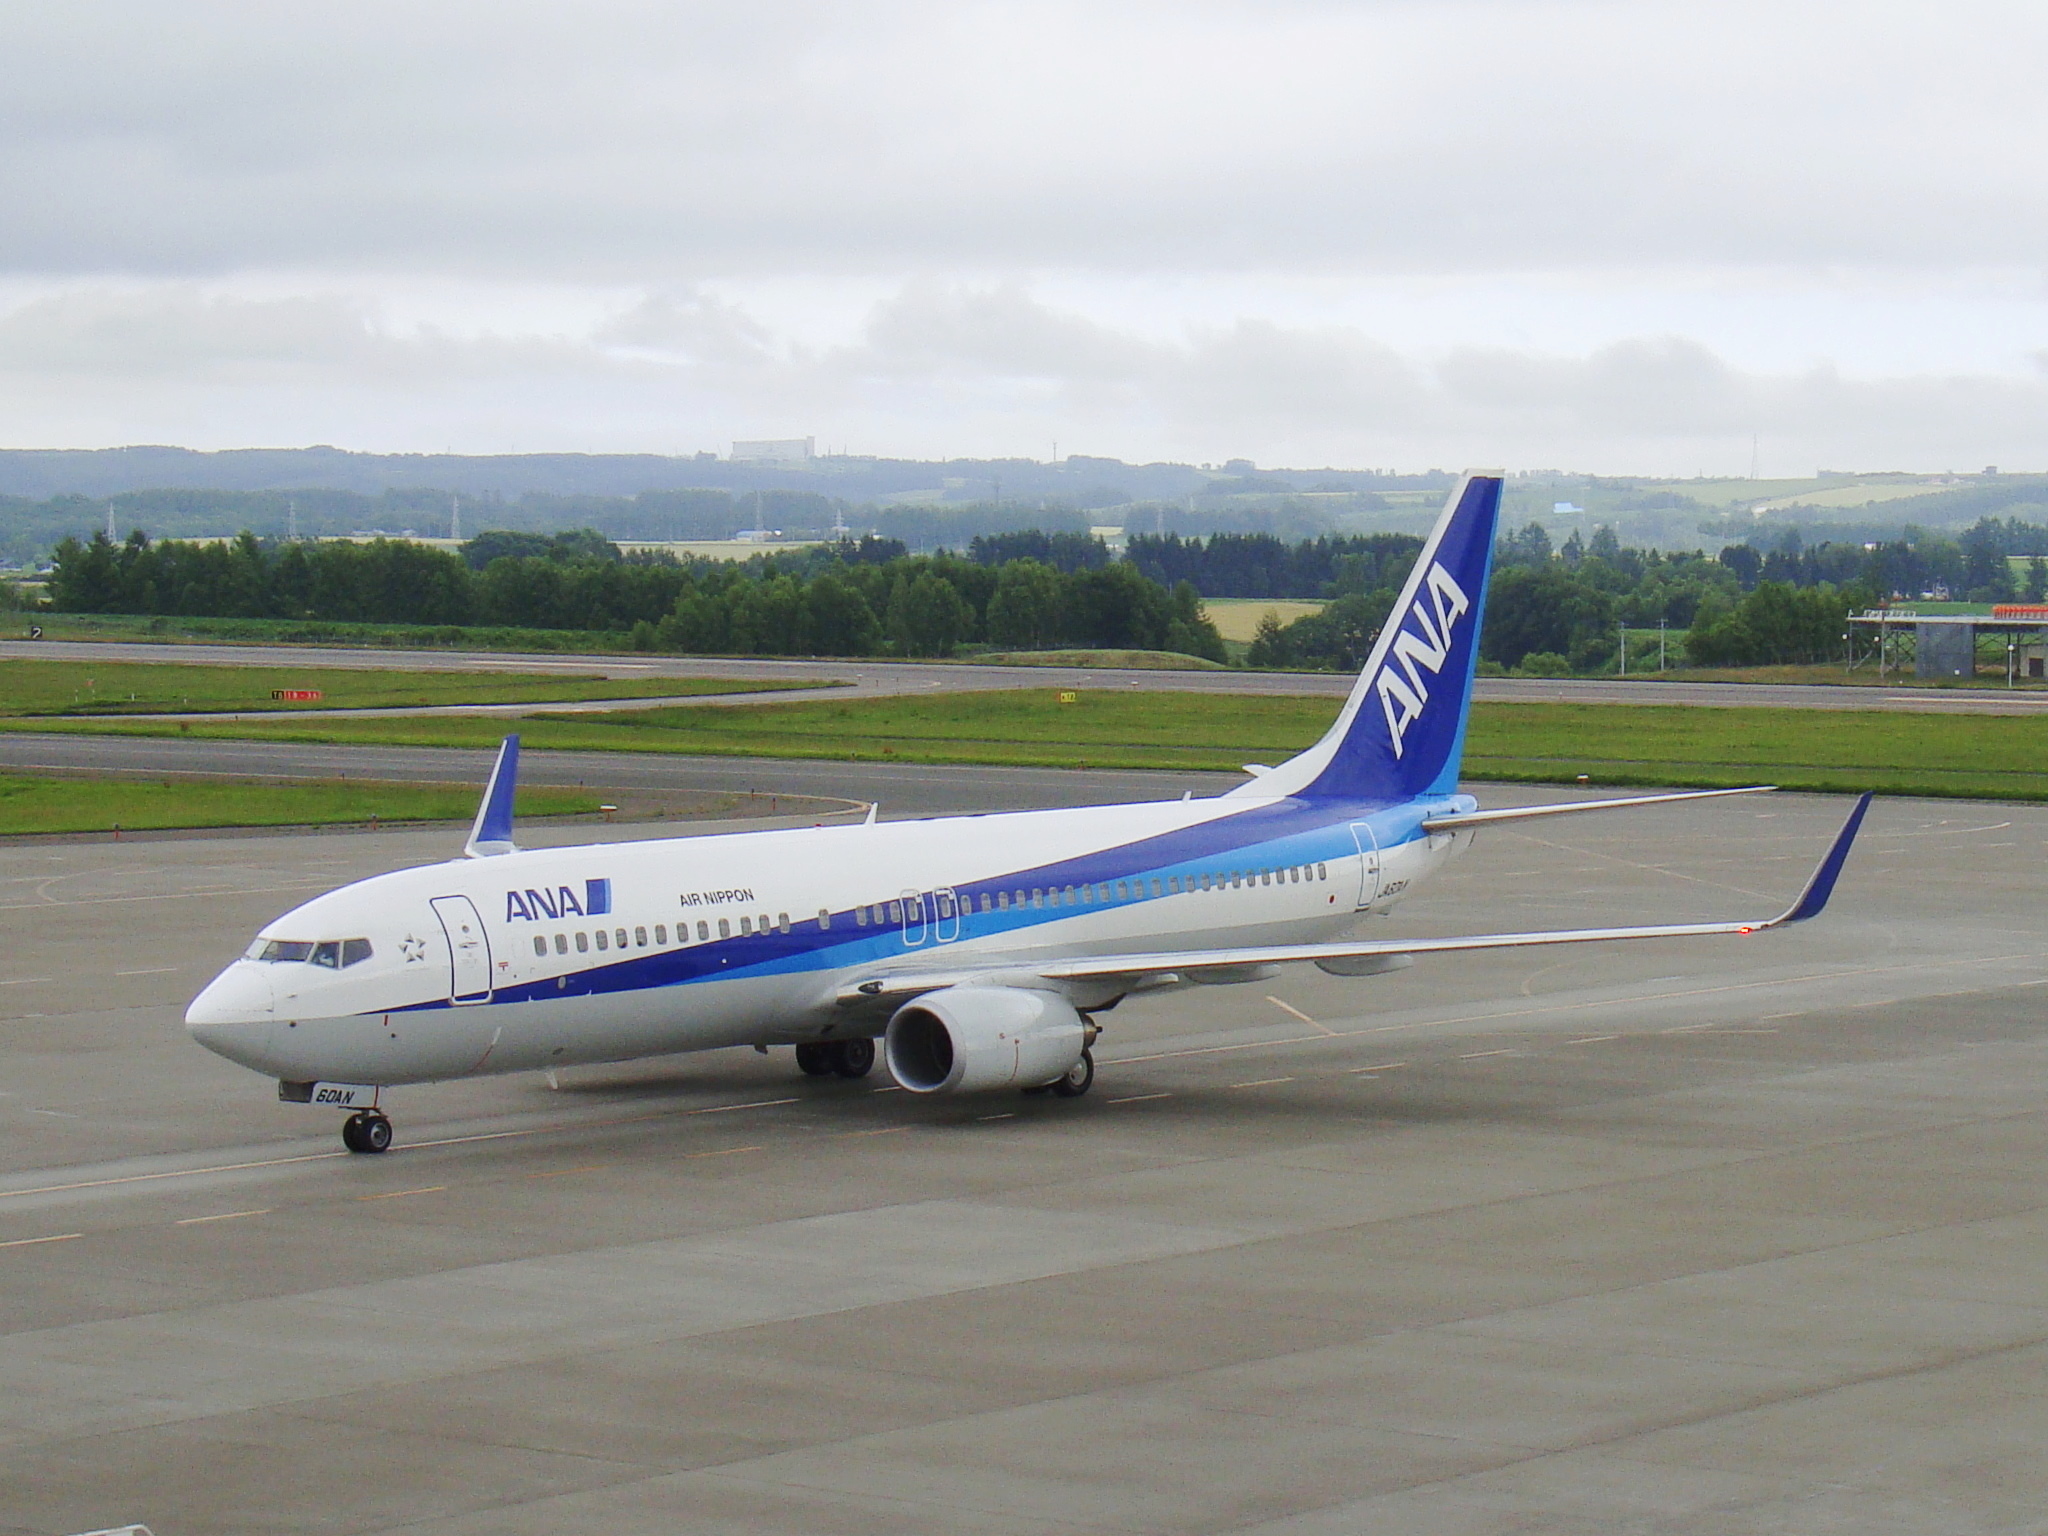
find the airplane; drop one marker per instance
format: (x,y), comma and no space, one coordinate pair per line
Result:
(981,951)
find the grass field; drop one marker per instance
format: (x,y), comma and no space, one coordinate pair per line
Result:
(1981,757)
(114,687)
(33,804)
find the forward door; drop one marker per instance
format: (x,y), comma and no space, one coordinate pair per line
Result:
(469,949)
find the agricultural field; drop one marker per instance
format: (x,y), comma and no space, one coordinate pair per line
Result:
(1970,756)
(1237,618)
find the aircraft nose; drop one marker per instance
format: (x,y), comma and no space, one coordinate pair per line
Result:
(232,1016)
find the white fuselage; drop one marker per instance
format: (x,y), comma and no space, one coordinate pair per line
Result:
(609,952)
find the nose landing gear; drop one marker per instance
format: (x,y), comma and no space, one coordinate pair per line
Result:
(366,1131)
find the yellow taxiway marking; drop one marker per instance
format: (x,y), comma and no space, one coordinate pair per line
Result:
(154,970)
(563,1173)
(1591,1039)
(27,1242)
(400,1194)
(724,1152)
(720,1109)
(1289,1008)
(1008,1115)
(1385,1066)
(194,1221)
(1262,1082)
(887,1130)
(1140,1098)
(1506,1050)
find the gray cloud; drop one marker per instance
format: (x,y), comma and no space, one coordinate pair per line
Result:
(954,368)
(635,139)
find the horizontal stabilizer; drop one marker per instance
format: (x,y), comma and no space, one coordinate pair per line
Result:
(1455,821)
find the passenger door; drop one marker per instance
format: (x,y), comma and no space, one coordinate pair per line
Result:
(469,949)
(1368,863)
(913,919)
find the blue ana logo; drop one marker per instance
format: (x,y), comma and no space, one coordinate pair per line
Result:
(531,905)
(1424,647)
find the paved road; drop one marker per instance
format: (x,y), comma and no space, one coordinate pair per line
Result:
(1741,1236)
(891,678)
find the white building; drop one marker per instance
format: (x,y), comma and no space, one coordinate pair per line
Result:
(774,450)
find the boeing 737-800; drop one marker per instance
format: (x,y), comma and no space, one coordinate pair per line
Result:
(978,949)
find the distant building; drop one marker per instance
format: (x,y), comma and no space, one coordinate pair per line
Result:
(774,450)
(1563,509)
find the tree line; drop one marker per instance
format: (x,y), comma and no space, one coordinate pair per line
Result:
(856,598)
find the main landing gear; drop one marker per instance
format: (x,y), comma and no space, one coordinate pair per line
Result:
(366,1131)
(1079,1079)
(837,1058)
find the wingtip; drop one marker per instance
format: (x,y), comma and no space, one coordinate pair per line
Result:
(1814,898)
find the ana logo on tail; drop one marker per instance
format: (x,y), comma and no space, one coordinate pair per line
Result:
(1427,645)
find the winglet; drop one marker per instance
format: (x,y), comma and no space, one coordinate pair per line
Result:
(1822,885)
(492,833)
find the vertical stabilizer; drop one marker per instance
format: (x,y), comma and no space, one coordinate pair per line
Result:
(492,832)
(1402,732)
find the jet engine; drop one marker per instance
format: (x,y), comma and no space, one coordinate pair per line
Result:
(970,1039)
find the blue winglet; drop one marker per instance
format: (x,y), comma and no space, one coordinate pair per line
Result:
(492,833)
(1822,885)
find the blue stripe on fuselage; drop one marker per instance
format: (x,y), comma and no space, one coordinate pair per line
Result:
(1283,832)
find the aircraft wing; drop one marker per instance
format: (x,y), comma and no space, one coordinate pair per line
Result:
(1819,887)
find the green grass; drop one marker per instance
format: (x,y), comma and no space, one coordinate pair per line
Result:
(34,804)
(115,687)
(1970,756)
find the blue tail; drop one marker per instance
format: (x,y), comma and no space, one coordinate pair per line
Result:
(1402,733)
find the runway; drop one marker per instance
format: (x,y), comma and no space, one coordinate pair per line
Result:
(1735,1236)
(877,679)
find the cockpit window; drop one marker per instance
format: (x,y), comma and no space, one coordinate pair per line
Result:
(332,953)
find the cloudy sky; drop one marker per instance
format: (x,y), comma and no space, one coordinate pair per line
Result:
(1627,236)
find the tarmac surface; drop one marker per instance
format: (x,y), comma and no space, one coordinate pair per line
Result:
(865,678)
(1734,1236)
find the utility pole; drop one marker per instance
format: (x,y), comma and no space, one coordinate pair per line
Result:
(1660,645)
(110,522)
(1624,648)
(455,518)
(291,521)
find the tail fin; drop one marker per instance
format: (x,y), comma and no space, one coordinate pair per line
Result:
(1402,732)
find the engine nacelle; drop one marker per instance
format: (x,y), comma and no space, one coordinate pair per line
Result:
(971,1039)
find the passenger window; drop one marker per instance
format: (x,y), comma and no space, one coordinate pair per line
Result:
(661,934)
(328,954)
(824,919)
(582,943)
(1322,871)
(860,917)
(703,931)
(1002,901)
(619,937)
(895,912)
(746,925)
(540,943)
(1087,894)
(1155,885)
(639,938)
(761,923)
(986,902)
(600,938)
(561,943)
(354,952)
(782,922)
(725,927)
